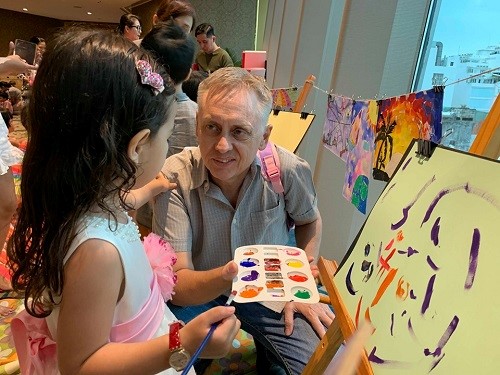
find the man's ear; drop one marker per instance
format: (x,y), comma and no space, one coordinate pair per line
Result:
(265,137)
(137,145)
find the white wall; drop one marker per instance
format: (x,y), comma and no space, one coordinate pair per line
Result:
(360,48)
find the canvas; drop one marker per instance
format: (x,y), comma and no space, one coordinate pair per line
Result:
(338,124)
(360,151)
(424,267)
(400,120)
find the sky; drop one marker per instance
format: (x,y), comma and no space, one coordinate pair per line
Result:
(467,25)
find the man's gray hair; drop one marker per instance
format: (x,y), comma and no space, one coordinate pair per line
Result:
(225,82)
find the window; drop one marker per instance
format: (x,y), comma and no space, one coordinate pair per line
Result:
(462,41)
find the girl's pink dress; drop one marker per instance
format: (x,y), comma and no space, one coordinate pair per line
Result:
(141,313)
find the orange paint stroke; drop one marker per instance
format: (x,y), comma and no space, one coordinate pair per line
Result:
(390,256)
(385,284)
(384,264)
(401,292)
(400,236)
(389,245)
(357,310)
(367,315)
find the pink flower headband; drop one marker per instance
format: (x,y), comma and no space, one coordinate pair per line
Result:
(148,77)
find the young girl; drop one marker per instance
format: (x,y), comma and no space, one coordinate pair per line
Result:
(100,115)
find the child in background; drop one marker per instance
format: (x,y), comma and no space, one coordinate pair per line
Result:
(190,86)
(5,104)
(174,50)
(100,115)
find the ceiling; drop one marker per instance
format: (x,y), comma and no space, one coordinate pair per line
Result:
(72,10)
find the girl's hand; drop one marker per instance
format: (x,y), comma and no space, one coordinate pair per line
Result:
(221,341)
(161,184)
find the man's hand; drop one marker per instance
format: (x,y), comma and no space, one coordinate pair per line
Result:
(229,271)
(318,314)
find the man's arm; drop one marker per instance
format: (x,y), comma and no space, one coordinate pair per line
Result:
(308,237)
(198,287)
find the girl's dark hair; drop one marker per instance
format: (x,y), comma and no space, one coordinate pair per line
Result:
(86,105)
(127,20)
(173,48)
(171,9)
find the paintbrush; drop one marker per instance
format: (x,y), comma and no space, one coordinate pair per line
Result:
(207,337)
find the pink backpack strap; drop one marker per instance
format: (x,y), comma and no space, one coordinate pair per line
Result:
(271,167)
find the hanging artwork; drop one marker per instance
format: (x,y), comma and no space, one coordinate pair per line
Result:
(338,124)
(424,267)
(360,151)
(285,99)
(401,119)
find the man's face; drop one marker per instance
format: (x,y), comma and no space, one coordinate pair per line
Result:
(207,44)
(229,135)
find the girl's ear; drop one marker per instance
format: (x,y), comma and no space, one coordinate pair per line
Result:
(155,19)
(137,144)
(265,137)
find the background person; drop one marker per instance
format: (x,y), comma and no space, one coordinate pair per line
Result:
(211,57)
(130,26)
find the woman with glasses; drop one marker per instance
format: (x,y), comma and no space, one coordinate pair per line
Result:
(130,26)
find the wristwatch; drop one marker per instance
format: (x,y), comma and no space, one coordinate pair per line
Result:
(179,357)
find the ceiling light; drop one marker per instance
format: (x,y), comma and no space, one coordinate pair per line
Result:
(25,9)
(89,13)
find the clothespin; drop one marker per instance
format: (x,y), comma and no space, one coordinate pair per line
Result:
(303,115)
(276,111)
(438,88)
(425,147)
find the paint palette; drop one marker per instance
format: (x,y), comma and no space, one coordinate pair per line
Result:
(273,273)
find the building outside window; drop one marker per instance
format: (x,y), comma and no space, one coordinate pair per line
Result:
(462,39)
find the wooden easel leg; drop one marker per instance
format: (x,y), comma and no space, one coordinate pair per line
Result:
(325,350)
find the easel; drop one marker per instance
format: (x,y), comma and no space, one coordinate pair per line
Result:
(301,101)
(487,142)
(341,328)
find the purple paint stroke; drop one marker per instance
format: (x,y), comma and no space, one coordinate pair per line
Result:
(406,164)
(428,294)
(468,189)
(392,324)
(435,363)
(435,232)
(444,338)
(407,208)
(473,258)
(411,251)
(348,281)
(410,329)
(387,192)
(431,263)
(372,357)
(412,294)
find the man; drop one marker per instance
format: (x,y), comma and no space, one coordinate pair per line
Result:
(222,202)
(211,57)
